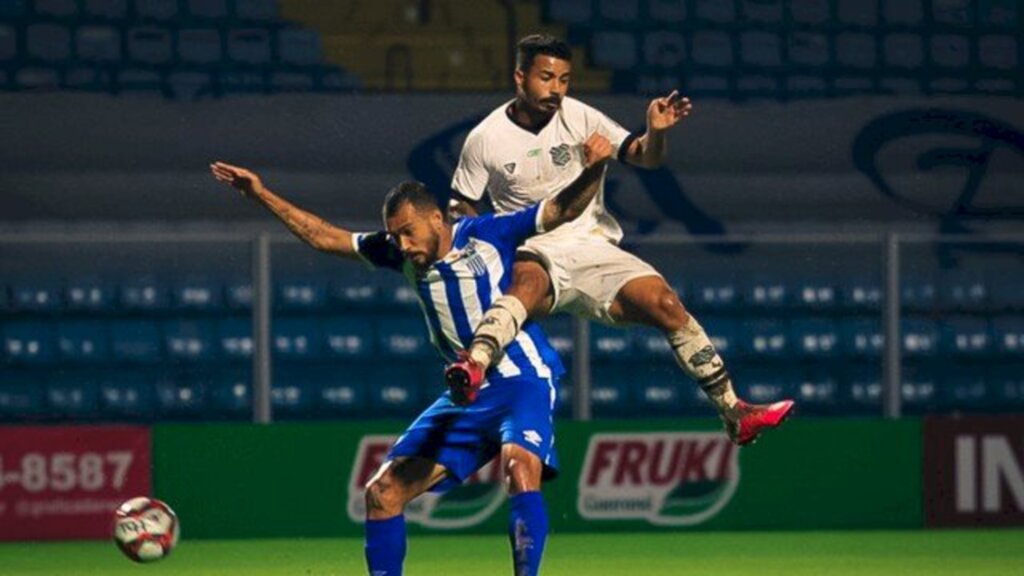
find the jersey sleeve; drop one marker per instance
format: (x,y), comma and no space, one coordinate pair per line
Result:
(619,137)
(510,229)
(471,175)
(378,250)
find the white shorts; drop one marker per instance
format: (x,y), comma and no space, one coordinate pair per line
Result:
(587,272)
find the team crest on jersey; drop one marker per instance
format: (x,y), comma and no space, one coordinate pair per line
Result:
(560,155)
(510,167)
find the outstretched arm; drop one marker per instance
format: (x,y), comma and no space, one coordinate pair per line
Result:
(310,228)
(648,151)
(572,200)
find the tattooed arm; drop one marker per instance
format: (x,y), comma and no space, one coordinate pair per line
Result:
(308,227)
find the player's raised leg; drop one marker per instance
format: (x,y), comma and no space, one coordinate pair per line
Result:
(394,485)
(528,518)
(649,300)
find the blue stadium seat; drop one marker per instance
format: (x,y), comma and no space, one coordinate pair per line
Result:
(301,294)
(88,78)
(238,294)
(764,293)
(72,397)
(667,11)
(762,49)
(161,10)
(181,398)
(105,9)
(715,11)
(298,47)
(350,337)
(149,45)
(37,79)
(187,86)
(965,388)
(1008,337)
(256,10)
(966,336)
(608,342)
(808,49)
(819,391)
(763,385)
(21,398)
(762,11)
(197,294)
(234,339)
(712,48)
(902,12)
(715,294)
(563,406)
(342,393)
(814,338)
(36,298)
(862,294)
(127,396)
(356,288)
(144,295)
(664,49)
(13,9)
(614,49)
(809,11)
(83,341)
(814,294)
(570,11)
(726,336)
(863,337)
(394,290)
(1007,386)
(207,9)
(865,388)
(855,50)
(920,337)
(920,389)
(558,329)
(56,8)
(29,342)
(136,341)
(5,299)
(200,46)
(293,81)
(618,12)
(857,13)
(650,342)
(903,51)
(8,43)
(918,292)
(611,388)
(764,339)
(659,388)
(190,341)
(950,51)
(998,52)
(243,82)
(89,296)
(293,394)
(402,337)
(964,291)
(249,46)
(230,395)
(399,390)
(296,339)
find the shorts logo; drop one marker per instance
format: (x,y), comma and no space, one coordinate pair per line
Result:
(533,437)
(667,479)
(476,500)
(510,167)
(560,155)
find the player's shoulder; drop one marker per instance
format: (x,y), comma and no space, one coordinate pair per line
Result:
(494,125)
(573,106)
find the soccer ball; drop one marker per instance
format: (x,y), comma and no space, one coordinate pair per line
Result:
(145,529)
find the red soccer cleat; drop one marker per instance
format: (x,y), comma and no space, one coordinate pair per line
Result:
(464,379)
(747,421)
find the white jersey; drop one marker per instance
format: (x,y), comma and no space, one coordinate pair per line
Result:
(518,167)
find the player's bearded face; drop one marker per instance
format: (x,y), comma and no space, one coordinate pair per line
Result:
(418,234)
(542,87)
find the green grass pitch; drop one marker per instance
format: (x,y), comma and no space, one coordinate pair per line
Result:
(925,553)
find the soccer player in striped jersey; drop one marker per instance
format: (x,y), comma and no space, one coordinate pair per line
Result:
(528,148)
(458,269)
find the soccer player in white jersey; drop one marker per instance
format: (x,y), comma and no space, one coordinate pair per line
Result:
(530,147)
(458,270)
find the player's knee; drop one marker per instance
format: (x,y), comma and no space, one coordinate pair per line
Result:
(383,498)
(530,282)
(523,471)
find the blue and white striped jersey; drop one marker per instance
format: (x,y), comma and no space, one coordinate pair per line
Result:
(455,291)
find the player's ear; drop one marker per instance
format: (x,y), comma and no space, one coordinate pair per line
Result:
(519,76)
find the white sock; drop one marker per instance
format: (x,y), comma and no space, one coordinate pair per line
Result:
(696,355)
(497,329)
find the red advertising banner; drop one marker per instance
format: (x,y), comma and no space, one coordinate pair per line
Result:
(974,471)
(65,482)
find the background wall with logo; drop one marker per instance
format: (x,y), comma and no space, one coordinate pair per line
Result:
(304,479)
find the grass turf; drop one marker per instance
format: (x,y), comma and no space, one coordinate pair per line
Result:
(931,553)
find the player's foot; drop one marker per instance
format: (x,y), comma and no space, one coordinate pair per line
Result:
(745,422)
(464,379)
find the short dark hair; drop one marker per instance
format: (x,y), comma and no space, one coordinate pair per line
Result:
(413,192)
(540,44)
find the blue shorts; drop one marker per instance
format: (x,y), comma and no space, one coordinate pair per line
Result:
(464,439)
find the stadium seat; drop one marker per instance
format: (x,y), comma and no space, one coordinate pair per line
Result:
(292,394)
(712,294)
(207,9)
(918,292)
(1008,337)
(256,10)
(963,291)
(190,341)
(863,337)
(200,295)
(651,342)
(143,295)
(715,11)
(13,9)
(570,11)
(756,86)
(8,43)
(998,52)
(297,339)
(965,389)
(200,46)
(762,11)
(855,50)
(87,295)
(401,337)
(181,398)
(725,335)
(1007,387)
(765,339)
(857,13)
(394,290)
(611,388)
(298,47)
(399,391)
(296,81)
(161,10)
(72,397)
(763,49)
(608,342)
(342,393)
(105,9)
(659,388)
(356,288)
(618,12)
(139,83)
(664,49)
(249,46)
(950,51)
(242,82)
(88,78)
(238,294)
(763,385)
(920,337)
(558,329)
(809,11)
(149,45)
(865,388)
(903,51)
(712,49)
(902,12)
(764,293)
(5,299)
(350,337)
(29,342)
(56,8)
(919,389)
(953,12)
(187,86)
(135,341)
(234,337)
(83,341)
(301,294)
(21,398)
(614,49)
(818,391)
(814,294)
(230,395)
(37,79)
(808,49)
(805,86)
(965,336)
(41,297)
(667,11)
(127,396)
(815,338)
(998,13)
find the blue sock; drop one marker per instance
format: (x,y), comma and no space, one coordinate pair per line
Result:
(385,546)
(527,530)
